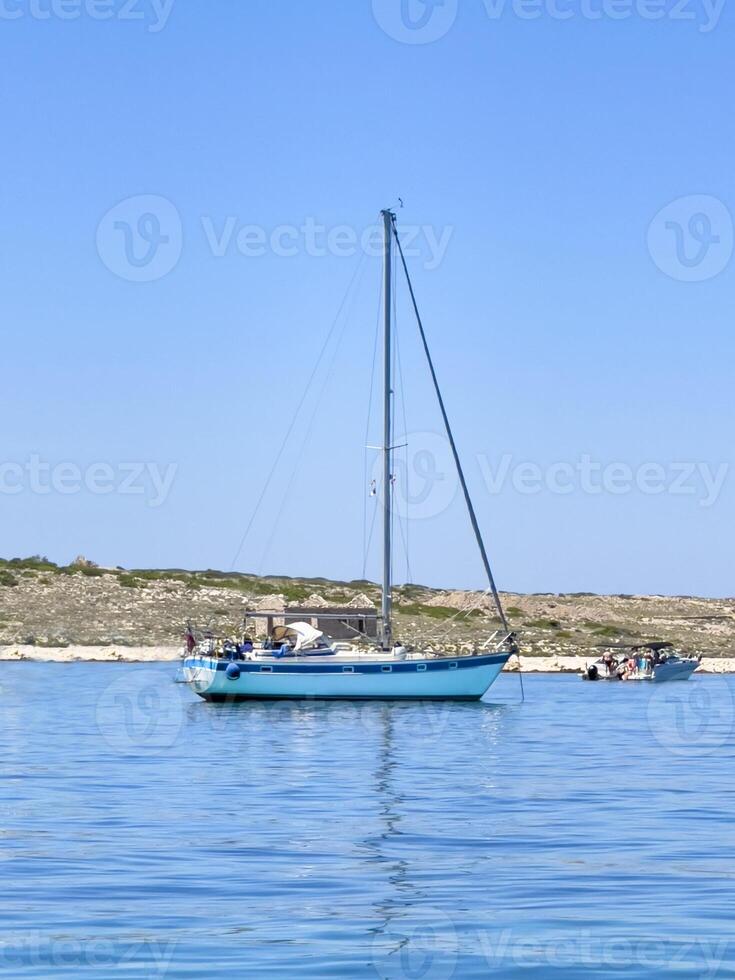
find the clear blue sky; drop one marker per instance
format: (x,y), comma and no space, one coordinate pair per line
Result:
(546,146)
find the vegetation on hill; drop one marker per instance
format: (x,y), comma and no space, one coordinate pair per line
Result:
(80,603)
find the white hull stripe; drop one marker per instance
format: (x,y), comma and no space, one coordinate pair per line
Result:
(394,667)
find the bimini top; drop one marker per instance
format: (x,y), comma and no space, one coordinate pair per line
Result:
(304,634)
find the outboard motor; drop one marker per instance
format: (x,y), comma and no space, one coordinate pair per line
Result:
(592,673)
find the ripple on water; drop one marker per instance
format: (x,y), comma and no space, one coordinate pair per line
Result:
(567,835)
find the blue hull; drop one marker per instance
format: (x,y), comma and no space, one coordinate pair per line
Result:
(457,679)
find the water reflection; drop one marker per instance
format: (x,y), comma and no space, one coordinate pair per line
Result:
(316,839)
(413,935)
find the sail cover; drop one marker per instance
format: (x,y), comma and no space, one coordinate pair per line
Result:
(304,634)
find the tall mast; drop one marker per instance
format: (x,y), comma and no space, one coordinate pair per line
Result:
(387,631)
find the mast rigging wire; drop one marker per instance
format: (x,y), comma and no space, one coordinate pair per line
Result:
(403,526)
(310,426)
(450,436)
(296,413)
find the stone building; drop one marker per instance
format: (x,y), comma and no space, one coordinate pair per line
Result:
(348,622)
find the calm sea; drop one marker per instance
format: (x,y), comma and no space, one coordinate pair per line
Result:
(145,833)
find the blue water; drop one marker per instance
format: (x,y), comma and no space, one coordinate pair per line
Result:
(145,833)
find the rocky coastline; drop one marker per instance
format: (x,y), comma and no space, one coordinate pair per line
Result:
(83,612)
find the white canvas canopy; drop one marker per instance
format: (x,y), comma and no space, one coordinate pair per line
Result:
(306,634)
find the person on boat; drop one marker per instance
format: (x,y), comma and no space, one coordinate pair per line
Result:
(611,663)
(285,650)
(246,647)
(231,650)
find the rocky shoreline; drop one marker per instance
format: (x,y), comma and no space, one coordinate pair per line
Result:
(85,612)
(168,654)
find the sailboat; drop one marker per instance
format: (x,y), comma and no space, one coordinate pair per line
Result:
(299,661)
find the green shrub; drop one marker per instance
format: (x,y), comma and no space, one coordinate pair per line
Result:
(544,624)
(434,612)
(607,631)
(7,579)
(36,563)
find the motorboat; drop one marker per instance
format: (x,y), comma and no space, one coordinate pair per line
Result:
(656,662)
